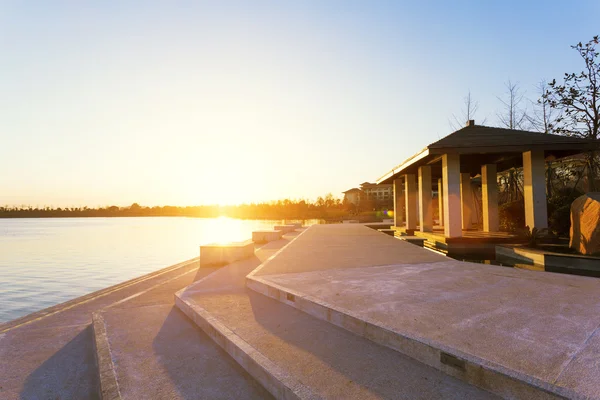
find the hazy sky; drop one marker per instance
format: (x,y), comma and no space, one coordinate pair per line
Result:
(185,103)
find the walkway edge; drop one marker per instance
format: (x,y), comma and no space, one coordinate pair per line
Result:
(109,387)
(484,374)
(268,374)
(46,312)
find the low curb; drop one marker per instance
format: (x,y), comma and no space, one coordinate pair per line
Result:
(484,374)
(274,379)
(109,387)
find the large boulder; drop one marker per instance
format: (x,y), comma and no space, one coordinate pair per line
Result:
(585,224)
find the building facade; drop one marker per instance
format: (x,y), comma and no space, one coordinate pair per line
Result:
(371,193)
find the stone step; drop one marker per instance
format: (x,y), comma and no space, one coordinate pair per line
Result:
(296,356)
(146,348)
(488,326)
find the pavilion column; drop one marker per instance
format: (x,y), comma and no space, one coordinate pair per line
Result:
(534,178)
(489,195)
(425,199)
(466,197)
(451,192)
(440,202)
(410,196)
(398,200)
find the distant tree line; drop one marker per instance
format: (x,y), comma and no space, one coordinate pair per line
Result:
(327,207)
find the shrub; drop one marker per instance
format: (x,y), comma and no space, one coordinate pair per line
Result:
(512,216)
(559,210)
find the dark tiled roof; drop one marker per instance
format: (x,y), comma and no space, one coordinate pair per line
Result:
(485,136)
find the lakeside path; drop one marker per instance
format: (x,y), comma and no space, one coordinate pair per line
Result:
(50,354)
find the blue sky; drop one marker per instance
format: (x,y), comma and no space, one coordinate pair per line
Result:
(228,102)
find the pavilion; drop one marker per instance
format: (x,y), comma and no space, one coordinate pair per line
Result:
(449,164)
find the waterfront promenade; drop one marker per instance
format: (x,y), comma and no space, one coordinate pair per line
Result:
(50,354)
(331,311)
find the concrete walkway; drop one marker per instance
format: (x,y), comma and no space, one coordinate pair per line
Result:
(159,353)
(540,328)
(50,354)
(299,356)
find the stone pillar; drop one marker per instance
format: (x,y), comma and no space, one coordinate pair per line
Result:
(425,202)
(451,190)
(534,179)
(466,197)
(398,201)
(489,197)
(410,196)
(441,201)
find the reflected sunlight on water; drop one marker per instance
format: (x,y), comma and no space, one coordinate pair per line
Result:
(44,262)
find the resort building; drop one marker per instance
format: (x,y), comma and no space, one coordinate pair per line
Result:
(378,195)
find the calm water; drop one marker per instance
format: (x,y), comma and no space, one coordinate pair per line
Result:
(44,262)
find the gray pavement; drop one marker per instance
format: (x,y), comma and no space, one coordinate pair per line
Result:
(540,324)
(331,361)
(159,353)
(359,245)
(50,355)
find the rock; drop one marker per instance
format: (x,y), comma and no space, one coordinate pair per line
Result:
(585,224)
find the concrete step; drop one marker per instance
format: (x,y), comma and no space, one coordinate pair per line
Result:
(489,326)
(296,356)
(146,348)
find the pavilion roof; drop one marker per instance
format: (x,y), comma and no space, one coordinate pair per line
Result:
(478,145)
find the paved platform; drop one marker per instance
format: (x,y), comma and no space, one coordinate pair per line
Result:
(50,353)
(296,355)
(159,353)
(541,329)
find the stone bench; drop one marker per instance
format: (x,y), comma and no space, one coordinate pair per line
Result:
(266,236)
(216,254)
(285,228)
(390,232)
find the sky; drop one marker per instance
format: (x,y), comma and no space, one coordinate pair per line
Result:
(194,102)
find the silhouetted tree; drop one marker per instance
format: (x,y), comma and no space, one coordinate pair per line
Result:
(578,98)
(467,113)
(513,115)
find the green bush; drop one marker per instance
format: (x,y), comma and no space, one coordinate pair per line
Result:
(512,216)
(559,210)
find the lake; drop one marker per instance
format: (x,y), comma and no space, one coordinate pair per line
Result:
(44,262)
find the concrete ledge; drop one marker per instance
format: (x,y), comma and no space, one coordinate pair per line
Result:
(109,387)
(266,236)
(551,261)
(390,232)
(413,240)
(280,384)
(285,228)
(476,371)
(220,254)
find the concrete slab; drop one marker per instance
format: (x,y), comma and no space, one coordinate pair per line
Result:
(156,352)
(266,236)
(520,324)
(342,246)
(285,228)
(225,253)
(297,356)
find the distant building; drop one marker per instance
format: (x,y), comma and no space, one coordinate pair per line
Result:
(379,195)
(353,196)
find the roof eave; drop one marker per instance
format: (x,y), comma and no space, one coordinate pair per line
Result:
(390,175)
